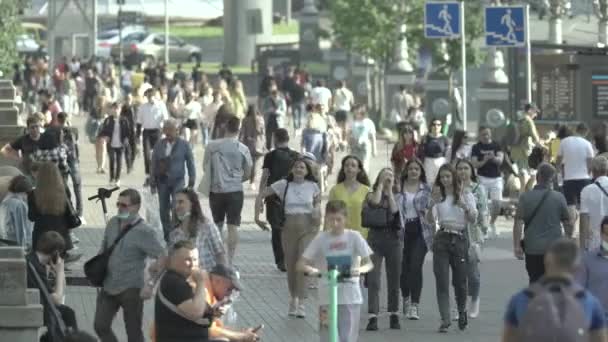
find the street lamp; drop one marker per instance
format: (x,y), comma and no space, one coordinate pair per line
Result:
(557,10)
(402,55)
(600,8)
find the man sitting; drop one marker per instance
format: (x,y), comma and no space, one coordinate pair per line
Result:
(190,301)
(47,257)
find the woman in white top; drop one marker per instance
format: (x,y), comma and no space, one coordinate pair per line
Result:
(460,148)
(301,198)
(191,113)
(452,210)
(362,140)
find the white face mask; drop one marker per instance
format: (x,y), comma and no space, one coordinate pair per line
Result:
(183,216)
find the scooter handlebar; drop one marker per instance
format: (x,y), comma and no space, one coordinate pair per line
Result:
(103,193)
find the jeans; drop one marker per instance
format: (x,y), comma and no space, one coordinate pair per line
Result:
(132,310)
(150,138)
(535,266)
(414,252)
(166,196)
(386,245)
(450,251)
(273,216)
(129,152)
(298,110)
(204,134)
(115,156)
(473,277)
(77,183)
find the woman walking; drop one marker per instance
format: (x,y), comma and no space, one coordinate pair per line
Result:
(352,188)
(433,150)
(362,140)
(404,150)
(301,199)
(253,136)
(381,216)
(460,148)
(50,209)
(194,226)
(455,209)
(414,200)
(468,177)
(191,115)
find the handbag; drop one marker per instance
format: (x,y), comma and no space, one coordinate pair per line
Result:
(96,268)
(375,217)
(72,218)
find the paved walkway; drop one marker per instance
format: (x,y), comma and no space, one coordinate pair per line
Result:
(265,297)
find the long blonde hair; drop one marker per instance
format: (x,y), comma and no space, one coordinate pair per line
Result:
(49,195)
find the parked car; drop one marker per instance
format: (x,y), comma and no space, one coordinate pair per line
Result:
(140,46)
(108,38)
(36,31)
(26,45)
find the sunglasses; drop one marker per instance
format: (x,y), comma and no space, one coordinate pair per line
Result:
(436,124)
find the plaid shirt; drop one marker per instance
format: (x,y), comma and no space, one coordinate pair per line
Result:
(58,155)
(422,200)
(208,241)
(481,201)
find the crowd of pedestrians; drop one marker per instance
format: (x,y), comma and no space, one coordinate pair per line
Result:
(439,193)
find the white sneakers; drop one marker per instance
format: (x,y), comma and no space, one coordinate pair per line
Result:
(412,312)
(296,308)
(474,308)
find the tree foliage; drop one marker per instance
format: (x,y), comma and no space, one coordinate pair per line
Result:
(367,27)
(10,28)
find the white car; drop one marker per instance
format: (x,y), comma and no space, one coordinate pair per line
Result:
(27,45)
(109,38)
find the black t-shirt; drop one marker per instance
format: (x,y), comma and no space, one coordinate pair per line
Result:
(278,162)
(489,169)
(171,327)
(27,146)
(435,147)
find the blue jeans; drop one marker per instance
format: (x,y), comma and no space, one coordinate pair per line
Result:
(77,183)
(298,109)
(204,134)
(474,278)
(166,196)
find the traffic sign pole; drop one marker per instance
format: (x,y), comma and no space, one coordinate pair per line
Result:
(463,54)
(528,54)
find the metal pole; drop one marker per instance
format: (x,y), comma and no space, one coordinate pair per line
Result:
(333,305)
(463,53)
(528,56)
(121,55)
(95,24)
(166,31)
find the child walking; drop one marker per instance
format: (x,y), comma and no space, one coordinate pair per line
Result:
(348,251)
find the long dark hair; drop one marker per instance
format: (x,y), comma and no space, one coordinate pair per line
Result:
(422,172)
(456,183)
(468,162)
(600,137)
(361,176)
(457,141)
(310,176)
(252,111)
(196,213)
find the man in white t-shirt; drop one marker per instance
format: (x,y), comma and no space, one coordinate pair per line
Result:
(574,160)
(348,252)
(321,95)
(594,205)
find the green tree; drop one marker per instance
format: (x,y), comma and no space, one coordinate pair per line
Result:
(10,28)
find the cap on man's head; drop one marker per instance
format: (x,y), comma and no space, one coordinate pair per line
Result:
(229,273)
(531,106)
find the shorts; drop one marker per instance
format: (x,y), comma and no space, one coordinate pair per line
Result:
(493,187)
(191,123)
(226,205)
(341,116)
(572,190)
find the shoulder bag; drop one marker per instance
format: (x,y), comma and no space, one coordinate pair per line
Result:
(375,216)
(531,217)
(200,321)
(601,188)
(96,268)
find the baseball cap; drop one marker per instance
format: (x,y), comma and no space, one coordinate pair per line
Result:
(229,273)
(531,106)
(309,156)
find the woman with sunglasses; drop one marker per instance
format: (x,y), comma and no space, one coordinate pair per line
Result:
(414,200)
(433,150)
(468,177)
(301,199)
(452,209)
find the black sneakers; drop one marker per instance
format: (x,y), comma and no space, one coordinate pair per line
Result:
(372,324)
(463,320)
(395,322)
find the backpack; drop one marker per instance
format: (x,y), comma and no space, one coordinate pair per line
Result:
(536,157)
(512,134)
(555,313)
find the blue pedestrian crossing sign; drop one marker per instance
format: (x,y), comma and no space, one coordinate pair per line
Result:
(505,26)
(442,19)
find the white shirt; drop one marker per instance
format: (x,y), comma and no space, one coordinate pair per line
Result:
(344,251)
(343,98)
(410,210)
(450,215)
(575,151)
(193,110)
(152,115)
(168,148)
(116,143)
(209,112)
(321,95)
(594,203)
(299,197)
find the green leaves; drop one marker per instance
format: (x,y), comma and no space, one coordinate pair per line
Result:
(10,28)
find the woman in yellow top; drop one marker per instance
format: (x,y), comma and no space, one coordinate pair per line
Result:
(352,188)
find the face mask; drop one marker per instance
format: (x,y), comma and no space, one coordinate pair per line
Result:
(183,216)
(123,215)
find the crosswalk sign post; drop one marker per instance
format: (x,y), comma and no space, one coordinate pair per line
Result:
(508,26)
(445,20)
